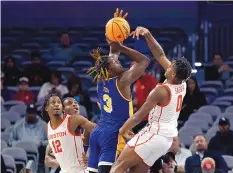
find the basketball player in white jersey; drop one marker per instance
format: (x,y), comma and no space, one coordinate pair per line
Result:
(163,105)
(71,107)
(66,143)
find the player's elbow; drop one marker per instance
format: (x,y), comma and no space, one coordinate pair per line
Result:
(145,62)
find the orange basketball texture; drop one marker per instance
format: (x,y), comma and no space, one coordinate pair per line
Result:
(117,29)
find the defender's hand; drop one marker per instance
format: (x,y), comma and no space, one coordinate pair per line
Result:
(139,31)
(117,14)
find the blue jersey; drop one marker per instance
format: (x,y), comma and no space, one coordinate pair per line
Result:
(105,140)
(115,107)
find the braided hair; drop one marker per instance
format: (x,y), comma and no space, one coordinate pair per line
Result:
(183,69)
(44,113)
(99,71)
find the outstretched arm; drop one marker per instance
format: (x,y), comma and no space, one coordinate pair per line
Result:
(158,95)
(78,120)
(153,45)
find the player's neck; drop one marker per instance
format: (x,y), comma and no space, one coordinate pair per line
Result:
(173,82)
(56,121)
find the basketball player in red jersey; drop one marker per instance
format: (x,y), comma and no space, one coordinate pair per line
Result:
(66,143)
(71,107)
(163,105)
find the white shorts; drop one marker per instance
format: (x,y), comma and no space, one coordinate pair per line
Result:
(150,146)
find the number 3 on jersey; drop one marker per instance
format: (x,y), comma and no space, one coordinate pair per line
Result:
(108,103)
(179,103)
(57,146)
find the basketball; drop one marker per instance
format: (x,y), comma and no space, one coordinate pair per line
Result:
(208,164)
(117,29)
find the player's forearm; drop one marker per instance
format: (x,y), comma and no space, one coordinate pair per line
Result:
(129,124)
(156,50)
(52,163)
(135,55)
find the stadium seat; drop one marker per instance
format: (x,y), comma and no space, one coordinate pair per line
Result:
(5,123)
(5,136)
(11,116)
(55,64)
(229,109)
(203,116)
(10,163)
(3,144)
(212,84)
(197,123)
(225,98)
(19,156)
(211,109)
(222,104)
(192,131)
(210,93)
(186,140)
(82,64)
(229,161)
(92,92)
(31,149)
(21,109)
(228,92)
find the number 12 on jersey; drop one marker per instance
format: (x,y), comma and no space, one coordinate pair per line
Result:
(179,103)
(57,146)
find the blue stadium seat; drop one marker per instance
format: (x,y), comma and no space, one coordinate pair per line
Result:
(55,64)
(10,163)
(82,64)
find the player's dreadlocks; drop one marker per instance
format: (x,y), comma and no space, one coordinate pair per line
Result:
(183,69)
(99,71)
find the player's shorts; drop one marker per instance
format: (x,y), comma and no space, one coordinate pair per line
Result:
(102,146)
(149,146)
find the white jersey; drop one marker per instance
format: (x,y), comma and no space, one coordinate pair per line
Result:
(67,147)
(163,118)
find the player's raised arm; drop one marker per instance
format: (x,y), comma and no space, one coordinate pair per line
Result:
(153,45)
(78,120)
(159,95)
(50,160)
(136,71)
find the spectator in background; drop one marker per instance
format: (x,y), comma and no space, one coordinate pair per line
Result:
(54,86)
(24,94)
(12,73)
(193,163)
(37,73)
(65,51)
(215,71)
(223,140)
(32,128)
(143,86)
(74,85)
(4,92)
(193,100)
(181,154)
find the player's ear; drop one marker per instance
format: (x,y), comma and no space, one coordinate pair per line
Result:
(173,74)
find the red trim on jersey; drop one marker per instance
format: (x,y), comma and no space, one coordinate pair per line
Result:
(170,95)
(76,150)
(138,156)
(69,130)
(159,119)
(64,117)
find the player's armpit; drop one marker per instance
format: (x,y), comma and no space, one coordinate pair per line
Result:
(157,50)
(78,120)
(159,95)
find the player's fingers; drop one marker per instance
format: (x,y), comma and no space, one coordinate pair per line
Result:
(116,13)
(121,12)
(126,14)
(132,33)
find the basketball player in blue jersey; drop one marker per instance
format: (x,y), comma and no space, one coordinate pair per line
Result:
(113,88)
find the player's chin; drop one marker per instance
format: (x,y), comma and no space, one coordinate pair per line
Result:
(57,112)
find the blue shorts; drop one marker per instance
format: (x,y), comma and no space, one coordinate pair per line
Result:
(102,147)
